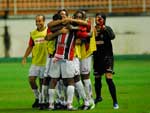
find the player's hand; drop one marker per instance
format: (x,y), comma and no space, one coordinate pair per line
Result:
(64,30)
(78,41)
(102,27)
(23,61)
(66,20)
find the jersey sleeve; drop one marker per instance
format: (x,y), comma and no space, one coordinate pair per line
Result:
(31,42)
(82,33)
(48,31)
(110,32)
(89,26)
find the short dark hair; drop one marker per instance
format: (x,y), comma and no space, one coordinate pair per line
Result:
(57,16)
(42,16)
(78,11)
(101,15)
(63,10)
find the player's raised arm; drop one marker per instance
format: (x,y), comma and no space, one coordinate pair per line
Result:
(51,36)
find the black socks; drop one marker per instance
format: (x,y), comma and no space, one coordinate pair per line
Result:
(112,89)
(98,86)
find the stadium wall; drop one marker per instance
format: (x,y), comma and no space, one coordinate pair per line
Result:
(132,35)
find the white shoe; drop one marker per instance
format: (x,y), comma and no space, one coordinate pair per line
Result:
(71,108)
(92,104)
(50,107)
(116,106)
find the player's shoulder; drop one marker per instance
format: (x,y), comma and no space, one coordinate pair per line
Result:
(108,27)
(33,32)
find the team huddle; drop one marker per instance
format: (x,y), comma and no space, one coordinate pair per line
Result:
(63,54)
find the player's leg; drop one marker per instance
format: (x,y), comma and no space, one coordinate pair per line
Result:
(41,76)
(55,75)
(112,89)
(81,92)
(46,80)
(85,74)
(33,72)
(98,72)
(51,92)
(60,95)
(109,75)
(79,88)
(98,87)
(67,69)
(44,93)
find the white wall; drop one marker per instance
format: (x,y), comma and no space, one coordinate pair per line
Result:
(132,35)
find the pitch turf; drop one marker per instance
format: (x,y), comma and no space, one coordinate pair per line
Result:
(132,79)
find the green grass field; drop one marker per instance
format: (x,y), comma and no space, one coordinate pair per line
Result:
(132,80)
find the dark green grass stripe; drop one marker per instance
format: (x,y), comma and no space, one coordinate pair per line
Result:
(117,57)
(13,59)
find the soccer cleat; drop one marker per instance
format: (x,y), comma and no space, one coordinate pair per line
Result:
(116,106)
(85,107)
(98,100)
(35,104)
(71,108)
(43,106)
(51,107)
(46,105)
(92,106)
(57,106)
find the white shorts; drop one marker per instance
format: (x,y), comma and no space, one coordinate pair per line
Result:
(85,65)
(37,71)
(65,68)
(76,62)
(48,67)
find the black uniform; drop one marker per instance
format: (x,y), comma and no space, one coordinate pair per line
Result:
(103,57)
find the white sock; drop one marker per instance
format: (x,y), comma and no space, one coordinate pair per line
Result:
(59,89)
(80,89)
(88,88)
(51,93)
(40,97)
(44,93)
(70,94)
(36,93)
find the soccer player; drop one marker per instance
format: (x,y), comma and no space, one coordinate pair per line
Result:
(82,35)
(46,80)
(85,35)
(63,58)
(62,63)
(104,59)
(37,45)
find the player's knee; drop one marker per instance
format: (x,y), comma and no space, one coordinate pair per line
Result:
(77,78)
(53,83)
(32,79)
(85,76)
(108,75)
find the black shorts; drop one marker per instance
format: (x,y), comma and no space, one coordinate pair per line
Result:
(103,64)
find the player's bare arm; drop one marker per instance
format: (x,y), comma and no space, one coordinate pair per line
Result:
(27,53)
(80,22)
(52,36)
(57,22)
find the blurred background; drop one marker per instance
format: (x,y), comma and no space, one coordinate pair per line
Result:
(130,20)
